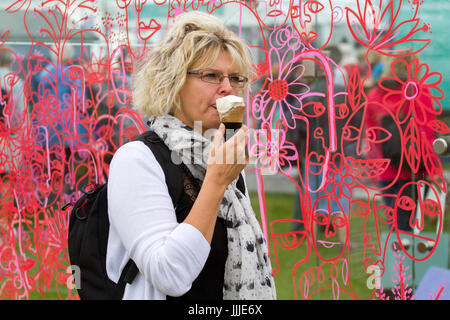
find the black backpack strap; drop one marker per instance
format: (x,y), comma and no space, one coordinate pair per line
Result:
(163,155)
(128,274)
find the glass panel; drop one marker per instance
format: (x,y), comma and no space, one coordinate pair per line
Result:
(347,99)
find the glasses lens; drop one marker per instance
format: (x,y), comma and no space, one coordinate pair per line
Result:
(237,81)
(211,77)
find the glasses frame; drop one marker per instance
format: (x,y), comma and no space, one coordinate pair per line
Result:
(202,71)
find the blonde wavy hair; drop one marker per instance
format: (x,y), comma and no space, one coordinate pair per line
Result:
(194,40)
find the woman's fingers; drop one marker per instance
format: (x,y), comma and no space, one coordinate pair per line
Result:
(227,159)
(241,144)
(218,138)
(233,150)
(216,142)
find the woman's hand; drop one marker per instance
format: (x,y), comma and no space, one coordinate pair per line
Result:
(227,160)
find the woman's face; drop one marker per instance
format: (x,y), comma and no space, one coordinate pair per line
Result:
(198,98)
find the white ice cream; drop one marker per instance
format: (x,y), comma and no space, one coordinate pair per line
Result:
(226,104)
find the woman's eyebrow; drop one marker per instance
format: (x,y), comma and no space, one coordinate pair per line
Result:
(210,69)
(219,71)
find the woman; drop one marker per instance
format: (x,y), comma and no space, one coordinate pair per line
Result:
(198,61)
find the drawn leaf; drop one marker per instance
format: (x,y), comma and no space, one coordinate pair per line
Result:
(3,37)
(354,89)
(16,6)
(405,45)
(439,127)
(412,146)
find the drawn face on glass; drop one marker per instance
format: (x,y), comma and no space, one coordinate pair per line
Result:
(273,13)
(370,258)
(146,27)
(305,13)
(318,112)
(120,70)
(427,207)
(362,145)
(331,219)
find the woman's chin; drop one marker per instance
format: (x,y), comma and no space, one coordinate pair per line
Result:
(212,123)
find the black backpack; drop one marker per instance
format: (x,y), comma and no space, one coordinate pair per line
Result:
(89,229)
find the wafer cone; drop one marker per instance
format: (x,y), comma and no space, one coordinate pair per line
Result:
(231,109)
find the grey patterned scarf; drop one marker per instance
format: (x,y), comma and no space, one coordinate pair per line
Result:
(248,272)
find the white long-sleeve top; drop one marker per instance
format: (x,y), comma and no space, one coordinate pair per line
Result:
(143,227)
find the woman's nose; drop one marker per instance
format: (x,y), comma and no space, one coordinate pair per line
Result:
(225,87)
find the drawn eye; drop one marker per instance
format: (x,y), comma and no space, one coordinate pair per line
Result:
(351,133)
(321,218)
(360,208)
(290,240)
(339,222)
(295,12)
(314,6)
(377,135)
(430,207)
(11,79)
(313,109)
(406,203)
(73,74)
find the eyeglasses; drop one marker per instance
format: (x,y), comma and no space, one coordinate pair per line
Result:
(216,77)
